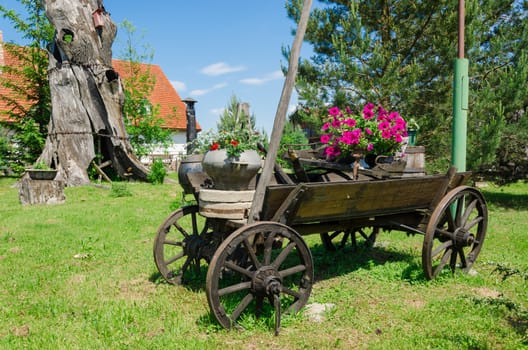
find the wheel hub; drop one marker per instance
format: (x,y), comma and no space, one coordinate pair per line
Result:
(266,281)
(463,237)
(192,246)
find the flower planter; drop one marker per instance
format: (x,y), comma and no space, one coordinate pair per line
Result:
(40,174)
(229,173)
(190,164)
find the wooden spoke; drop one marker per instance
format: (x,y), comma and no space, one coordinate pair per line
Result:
(234,288)
(338,239)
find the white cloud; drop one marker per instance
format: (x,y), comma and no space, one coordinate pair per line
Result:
(201,92)
(217,111)
(221,68)
(179,86)
(276,75)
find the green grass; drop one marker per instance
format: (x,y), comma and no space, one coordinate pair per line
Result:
(80,275)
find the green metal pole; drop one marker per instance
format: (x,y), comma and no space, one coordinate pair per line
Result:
(460,98)
(460,110)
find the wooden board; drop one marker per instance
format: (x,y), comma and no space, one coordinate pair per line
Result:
(320,202)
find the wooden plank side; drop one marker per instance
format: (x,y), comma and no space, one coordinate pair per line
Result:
(330,201)
(274,197)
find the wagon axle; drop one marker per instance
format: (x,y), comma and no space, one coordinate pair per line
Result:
(463,238)
(267,282)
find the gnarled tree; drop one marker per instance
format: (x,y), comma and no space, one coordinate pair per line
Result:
(86,93)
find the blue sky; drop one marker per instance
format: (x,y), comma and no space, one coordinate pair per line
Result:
(210,49)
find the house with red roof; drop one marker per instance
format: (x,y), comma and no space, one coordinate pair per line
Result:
(172,110)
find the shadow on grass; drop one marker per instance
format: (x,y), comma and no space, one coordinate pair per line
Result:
(193,282)
(343,261)
(507,200)
(327,264)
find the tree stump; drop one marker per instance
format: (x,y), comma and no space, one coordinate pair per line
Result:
(86,94)
(41,191)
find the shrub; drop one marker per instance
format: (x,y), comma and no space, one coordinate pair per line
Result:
(157,172)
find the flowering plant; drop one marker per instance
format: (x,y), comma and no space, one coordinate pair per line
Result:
(234,142)
(376,131)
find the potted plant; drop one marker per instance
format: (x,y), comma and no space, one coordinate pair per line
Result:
(374,132)
(231,157)
(41,171)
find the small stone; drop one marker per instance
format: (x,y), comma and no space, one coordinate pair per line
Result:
(316,311)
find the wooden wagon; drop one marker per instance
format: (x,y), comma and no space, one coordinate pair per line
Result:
(261,262)
(268,261)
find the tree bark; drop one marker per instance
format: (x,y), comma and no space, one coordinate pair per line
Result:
(40,191)
(86,94)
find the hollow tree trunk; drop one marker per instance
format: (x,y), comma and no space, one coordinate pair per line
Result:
(86,94)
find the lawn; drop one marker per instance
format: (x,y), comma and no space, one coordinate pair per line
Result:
(81,275)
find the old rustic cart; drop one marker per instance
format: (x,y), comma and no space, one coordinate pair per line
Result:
(269,261)
(260,264)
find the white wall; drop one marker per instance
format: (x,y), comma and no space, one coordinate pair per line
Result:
(172,154)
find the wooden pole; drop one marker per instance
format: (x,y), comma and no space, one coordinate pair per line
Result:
(280,116)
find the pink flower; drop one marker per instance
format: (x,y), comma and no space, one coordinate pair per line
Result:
(394,115)
(325,138)
(334,111)
(400,121)
(370,147)
(368,113)
(397,128)
(326,126)
(336,123)
(350,122)
(332,151)
(384,125)
(398,138)
(386,134)
(382,113)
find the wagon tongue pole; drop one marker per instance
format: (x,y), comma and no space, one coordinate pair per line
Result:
(276,305)
(280,116)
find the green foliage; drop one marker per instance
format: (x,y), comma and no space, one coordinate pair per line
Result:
(120,189)
(157,172)
(41,166)
(400,54)
(234,117)
(235,132)
(292,137)
(143,124)
(30,84)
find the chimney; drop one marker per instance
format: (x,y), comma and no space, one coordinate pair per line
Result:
(191,120)
(1,49)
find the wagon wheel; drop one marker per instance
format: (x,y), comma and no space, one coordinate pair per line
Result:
(338,239)
(178,243)
(259,262)
(455,232)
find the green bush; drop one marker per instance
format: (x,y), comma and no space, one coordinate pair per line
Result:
(157,172)
(120,189)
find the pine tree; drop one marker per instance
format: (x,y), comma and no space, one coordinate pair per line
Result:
(400,54)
